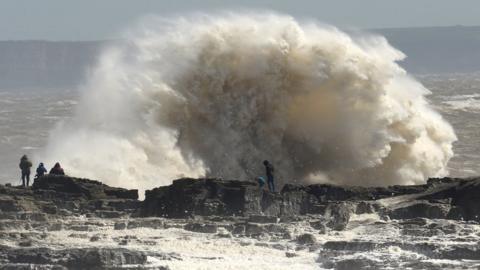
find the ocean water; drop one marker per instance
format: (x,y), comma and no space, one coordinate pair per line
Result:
(457,97)
(28,116)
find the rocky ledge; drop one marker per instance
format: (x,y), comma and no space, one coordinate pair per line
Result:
(67,196)
(69,223)
(445,198)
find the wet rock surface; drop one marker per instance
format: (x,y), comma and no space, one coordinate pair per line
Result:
(70,223)
(75,258)
(440,198)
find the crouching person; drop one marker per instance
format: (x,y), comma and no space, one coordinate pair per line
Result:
(41,171)
(261,182)
(57,170)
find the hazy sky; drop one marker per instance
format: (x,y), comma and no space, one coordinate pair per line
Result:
(101,19)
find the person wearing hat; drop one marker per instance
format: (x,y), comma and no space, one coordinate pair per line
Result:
(40,170)
(57,170)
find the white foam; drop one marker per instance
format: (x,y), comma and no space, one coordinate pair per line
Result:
(464,103)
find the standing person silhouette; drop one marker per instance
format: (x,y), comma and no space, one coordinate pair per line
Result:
(25,166)
(269,171)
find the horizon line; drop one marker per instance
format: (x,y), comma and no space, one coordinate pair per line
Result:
(341,28)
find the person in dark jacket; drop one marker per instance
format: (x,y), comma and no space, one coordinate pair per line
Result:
(25,166)
(57,170)
(40,170)
(269,170)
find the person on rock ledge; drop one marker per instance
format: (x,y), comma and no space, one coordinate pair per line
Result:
(40,170)
(57,170)
(25,166)
(269,170)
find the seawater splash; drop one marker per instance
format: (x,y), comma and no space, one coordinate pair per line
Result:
(217,94)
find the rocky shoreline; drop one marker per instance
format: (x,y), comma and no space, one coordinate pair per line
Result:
(446,198)
(431,226)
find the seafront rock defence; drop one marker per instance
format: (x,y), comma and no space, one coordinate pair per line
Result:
(70,223)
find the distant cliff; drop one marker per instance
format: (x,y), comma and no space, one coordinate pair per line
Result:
(33,64)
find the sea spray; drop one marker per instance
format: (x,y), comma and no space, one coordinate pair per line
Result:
(215,95)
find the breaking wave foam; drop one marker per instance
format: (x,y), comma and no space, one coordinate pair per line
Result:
(469,103)
(217,94)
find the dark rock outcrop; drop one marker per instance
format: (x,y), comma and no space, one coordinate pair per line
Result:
(440,198)
(80,258)
(190,197)
(65,196)
(338,215)
(82,187)
(201,227)
(463,193)
(444,198)
(306,239)
(325,192)
(419,208)
(450,198)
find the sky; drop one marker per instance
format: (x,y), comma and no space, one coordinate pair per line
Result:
(104,19)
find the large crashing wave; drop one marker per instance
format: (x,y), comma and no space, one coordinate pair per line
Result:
(216,95)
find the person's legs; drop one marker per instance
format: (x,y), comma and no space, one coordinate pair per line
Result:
(28,179)
(23,179)
(271,186)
